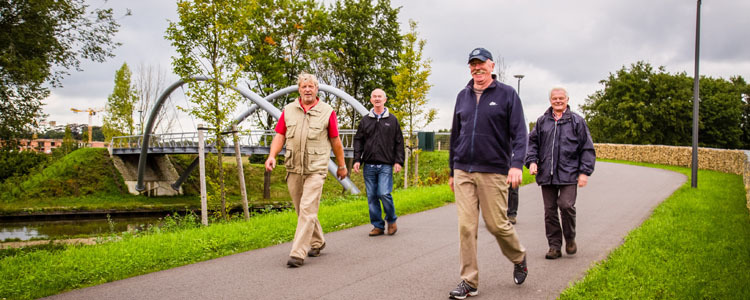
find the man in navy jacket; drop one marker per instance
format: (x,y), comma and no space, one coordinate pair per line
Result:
(487,148)
(561,154)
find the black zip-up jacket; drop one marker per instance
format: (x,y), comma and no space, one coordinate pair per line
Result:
(485,135)
(379,141)
(561,149)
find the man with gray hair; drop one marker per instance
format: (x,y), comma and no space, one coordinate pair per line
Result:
(487,147)
(561,154)
(379,146)
(308,127)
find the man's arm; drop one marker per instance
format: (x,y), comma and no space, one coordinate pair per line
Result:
(338,150)
(276,144)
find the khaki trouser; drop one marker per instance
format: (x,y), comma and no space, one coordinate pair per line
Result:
(489,192)
(305,191)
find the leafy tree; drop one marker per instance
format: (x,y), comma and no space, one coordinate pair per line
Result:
(206,38)
(361,50)
(412,86)
(39,42)
(281,39)
(118,119)
(640,105)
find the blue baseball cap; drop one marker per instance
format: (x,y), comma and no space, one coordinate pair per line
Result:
(480,54)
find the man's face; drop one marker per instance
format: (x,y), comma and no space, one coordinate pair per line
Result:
(308,92)
(481,71)
(558,101)
(377,98)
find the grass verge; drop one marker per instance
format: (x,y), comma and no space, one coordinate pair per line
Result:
(695,245)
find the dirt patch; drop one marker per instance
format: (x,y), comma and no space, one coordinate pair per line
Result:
(84,241)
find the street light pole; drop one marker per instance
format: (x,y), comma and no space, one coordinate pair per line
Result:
(519,76)
(696,98)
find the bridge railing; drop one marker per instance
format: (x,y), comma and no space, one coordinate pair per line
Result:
(255,138)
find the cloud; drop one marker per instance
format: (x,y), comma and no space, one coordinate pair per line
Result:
(550,42)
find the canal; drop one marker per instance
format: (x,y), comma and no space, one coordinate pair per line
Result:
(59,228)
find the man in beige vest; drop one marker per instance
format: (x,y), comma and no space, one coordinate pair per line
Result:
(308,127)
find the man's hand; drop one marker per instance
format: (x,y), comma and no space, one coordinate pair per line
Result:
(532,169)
(396,168)
(341,173)
(515,175)
(582,180)
(450,183)
(270,163)
(355,167)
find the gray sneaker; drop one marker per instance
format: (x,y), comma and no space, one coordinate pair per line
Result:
(463,290)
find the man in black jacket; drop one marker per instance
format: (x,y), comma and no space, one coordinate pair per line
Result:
(488,144)
(561,154)
(379,143)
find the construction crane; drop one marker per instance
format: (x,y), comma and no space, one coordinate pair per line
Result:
(92,112)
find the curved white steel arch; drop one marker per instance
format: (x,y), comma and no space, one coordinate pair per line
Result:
(259,102)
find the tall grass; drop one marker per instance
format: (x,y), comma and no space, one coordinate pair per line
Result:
(695,245)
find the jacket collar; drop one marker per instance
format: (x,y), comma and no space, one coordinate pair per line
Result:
(492,85)
(565,115)
(372,114)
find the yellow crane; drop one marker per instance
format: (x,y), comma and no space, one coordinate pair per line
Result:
(92,112)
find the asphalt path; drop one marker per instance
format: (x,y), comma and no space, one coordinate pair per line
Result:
(421,260)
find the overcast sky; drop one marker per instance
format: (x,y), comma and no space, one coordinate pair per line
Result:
(552,43)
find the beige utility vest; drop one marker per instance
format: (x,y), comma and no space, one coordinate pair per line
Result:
(308,148)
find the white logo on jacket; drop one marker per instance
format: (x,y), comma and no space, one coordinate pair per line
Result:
(493,103)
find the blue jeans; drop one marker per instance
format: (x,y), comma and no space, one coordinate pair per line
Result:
(379,183)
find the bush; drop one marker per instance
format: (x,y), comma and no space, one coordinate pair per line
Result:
(19,163)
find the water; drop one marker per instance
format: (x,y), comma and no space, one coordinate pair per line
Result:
(26,230)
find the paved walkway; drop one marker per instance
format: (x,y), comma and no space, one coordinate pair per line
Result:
(421,260)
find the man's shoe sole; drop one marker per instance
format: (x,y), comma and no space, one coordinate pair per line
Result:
(470,294)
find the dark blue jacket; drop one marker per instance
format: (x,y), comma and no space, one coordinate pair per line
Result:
(561,149)
(484,135)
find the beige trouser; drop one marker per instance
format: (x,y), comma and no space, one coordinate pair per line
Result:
(305,191)
(489,192)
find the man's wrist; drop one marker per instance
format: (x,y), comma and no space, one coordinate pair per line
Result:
(342,167)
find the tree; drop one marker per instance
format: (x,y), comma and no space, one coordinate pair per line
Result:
(412,86)
(148,86)
(118,119)
(640,105)
(281,39)
(361,50)
(207,36)
(39,42)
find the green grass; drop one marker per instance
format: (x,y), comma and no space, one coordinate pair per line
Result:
(34,274)
(695,245)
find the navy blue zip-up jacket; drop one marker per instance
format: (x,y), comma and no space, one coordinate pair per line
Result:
(486,134)
(561,149)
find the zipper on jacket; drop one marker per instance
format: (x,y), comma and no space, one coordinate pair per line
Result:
(473,130)
(552,160)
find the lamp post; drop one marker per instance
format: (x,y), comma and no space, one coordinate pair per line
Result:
(519,76)
(696,98)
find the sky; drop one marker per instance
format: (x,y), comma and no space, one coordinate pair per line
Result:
(552,43)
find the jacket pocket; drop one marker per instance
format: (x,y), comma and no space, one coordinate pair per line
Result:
(314,132)
(291,127)
(318,159)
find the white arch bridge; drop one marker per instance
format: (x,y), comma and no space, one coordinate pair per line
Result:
(256,142)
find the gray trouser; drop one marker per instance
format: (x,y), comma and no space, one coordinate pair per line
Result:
(562,197)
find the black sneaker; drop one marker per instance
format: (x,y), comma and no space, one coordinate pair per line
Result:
(463,290)
(315,252)
(520,271)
